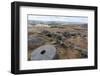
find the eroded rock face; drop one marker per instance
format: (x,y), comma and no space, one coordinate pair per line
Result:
(34,41)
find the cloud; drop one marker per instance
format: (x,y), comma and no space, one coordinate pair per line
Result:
(59,18)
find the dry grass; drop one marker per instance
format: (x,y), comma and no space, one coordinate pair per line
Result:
(63,53)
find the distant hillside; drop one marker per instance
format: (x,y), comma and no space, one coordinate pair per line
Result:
(33,22)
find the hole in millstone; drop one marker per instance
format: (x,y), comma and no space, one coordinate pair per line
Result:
(43,51)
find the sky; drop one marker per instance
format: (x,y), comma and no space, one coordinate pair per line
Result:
(77,19)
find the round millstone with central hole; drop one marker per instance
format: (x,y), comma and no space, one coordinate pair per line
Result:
(45,52)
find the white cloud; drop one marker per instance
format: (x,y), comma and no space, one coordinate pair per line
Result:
(59,18)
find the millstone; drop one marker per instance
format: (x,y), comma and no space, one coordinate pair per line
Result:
(45,52)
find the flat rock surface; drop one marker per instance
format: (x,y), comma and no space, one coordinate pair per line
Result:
(45,52)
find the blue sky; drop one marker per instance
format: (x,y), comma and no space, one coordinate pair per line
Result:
(78,19)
